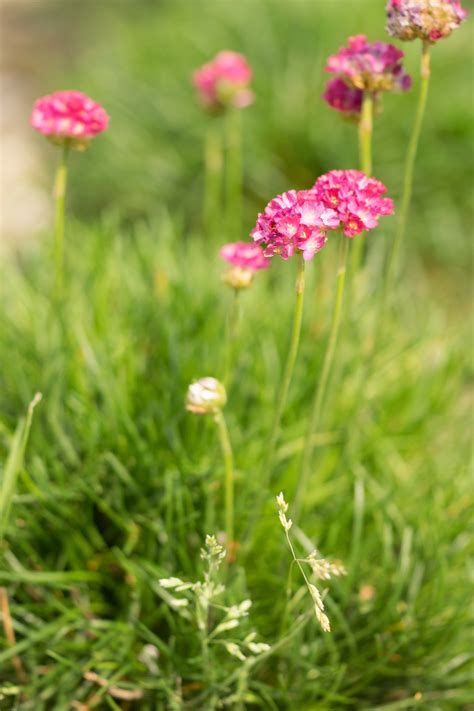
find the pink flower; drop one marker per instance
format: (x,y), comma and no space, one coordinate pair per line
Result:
(296,221)
(343,98)
(224,82)
(355,198)
(246,255)
(369,66)
(428,20)
(69,116)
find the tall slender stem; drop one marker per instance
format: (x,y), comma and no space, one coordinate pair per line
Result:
(287,374)
(234,171)
(321,386)
(269,457)
(229,476)
(60,185)
(231,337)
(365,162)
(409,167)
(213,178)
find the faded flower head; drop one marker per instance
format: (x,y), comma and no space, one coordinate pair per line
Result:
(205,396)
(369,66)
(296,221)
(428,20)
(344,98)
(224,82)
(246,258)
(354,198)
(69,116)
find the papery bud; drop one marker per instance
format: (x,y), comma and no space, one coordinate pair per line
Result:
(205,396)
(238,278)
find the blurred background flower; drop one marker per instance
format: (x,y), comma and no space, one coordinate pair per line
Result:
(137,58)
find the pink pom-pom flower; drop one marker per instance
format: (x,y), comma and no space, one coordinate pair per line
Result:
(369,66)
(245,259)
(69,116)
(428,20)
(296,221)
(354,198)
(246,255)
(343,98)
(224,82)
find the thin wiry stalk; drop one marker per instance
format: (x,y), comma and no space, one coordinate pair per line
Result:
(60,185)
(365,162)
(320,392)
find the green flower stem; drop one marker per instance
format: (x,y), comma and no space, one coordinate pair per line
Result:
(409,168)
(60,185)
(232,336)
(213,177)
(226,448)
(321,387)
(365,161)
(233,129)
(287,374)
(269,458)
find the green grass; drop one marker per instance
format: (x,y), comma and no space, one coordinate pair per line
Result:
(120,485)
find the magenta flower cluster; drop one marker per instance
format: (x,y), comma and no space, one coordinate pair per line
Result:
(299,221)
(428,20)
(369,66)
(224,81)
(355,198)
(246,255)
(294,221)
(343,98)
(69,115)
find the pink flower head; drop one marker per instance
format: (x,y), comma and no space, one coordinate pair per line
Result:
(428,20)
(343,98)
(69,116)
(355,198)
(224,82)
(369,66)
(246,255)
(294,221)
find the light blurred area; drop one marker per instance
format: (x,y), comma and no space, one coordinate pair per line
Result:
(36,38)
(24,206)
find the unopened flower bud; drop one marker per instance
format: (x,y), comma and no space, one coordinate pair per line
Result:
(238,277)
(205,396)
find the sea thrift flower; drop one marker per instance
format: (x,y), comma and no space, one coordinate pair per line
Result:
(428,20)
(369,66)
(343,98)
(294,221)
(246,258)
(69,117)
(205,396)
(246,255)
(224,82)
(355,198)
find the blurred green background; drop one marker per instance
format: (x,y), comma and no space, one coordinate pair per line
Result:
(121,485)
(137,58)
